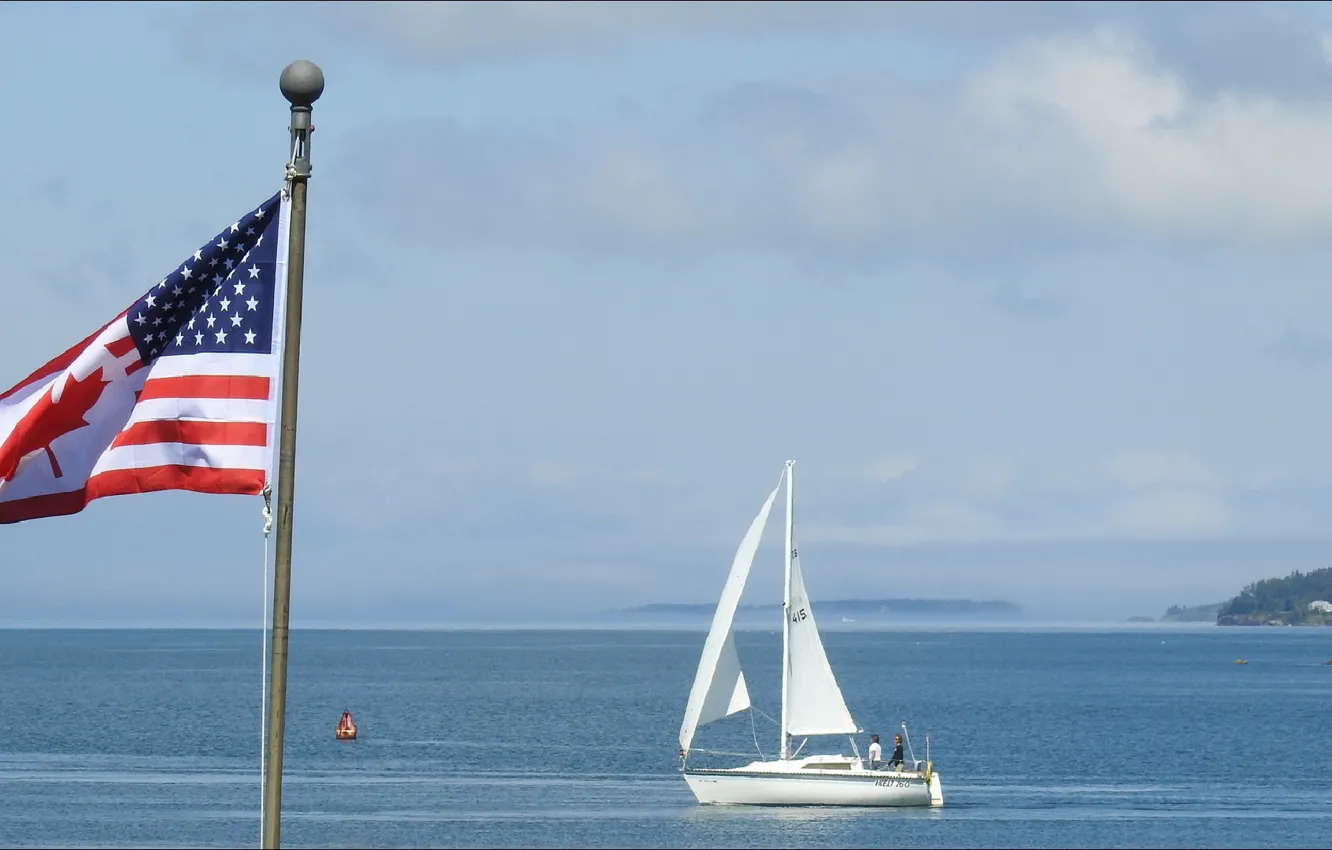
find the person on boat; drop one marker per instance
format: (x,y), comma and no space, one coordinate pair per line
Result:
(875,752)
(895,761)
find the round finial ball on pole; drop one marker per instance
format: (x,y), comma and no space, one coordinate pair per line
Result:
(302,83)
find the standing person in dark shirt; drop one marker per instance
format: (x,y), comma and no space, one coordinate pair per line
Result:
(895,760)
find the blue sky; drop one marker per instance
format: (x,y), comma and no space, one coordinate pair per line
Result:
(1035,294)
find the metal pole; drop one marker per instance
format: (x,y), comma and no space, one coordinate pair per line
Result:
(302,83)
(786,607)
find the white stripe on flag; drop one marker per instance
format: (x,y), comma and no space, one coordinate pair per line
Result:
(211,409)
(257,365)
(165,454)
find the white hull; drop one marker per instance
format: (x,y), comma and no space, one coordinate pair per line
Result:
(769,784)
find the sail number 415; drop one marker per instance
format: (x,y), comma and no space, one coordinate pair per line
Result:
(799,615)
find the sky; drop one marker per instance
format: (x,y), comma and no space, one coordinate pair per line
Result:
(1036,295)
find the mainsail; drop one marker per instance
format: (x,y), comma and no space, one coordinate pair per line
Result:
(719,685)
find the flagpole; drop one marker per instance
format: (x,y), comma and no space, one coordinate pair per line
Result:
(302,83)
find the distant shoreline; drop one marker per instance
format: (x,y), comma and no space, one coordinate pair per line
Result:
(846,610)
(695,625)
(1299,599)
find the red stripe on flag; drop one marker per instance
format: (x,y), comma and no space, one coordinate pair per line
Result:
(193,432)
(120,347)
(60,363)
(206,386)
(134,367)
(124,482)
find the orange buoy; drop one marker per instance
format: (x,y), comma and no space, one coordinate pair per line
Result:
(346,730)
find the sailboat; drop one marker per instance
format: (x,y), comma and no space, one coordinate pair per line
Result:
(812,705)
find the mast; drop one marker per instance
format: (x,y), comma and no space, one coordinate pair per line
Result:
(786,603)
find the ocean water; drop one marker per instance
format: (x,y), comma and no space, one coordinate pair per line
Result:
(1148,737)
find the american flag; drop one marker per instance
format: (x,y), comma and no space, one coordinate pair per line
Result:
(178,392)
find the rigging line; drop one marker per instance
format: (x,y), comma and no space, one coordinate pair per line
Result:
(765,715)
(263,665)
(754,730)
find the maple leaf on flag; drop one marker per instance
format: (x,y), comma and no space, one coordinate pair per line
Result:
(48,420)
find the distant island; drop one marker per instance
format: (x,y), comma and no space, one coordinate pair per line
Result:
(849,609)
(1299,599)
(1192,613)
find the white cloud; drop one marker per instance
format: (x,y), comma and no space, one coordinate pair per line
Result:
(1057,142)
(890,468)
(1325,42)
(547,473)
(454,32)
(1169,512)
(1136,470)
(1141,146)
(927,521)
(1300,346)
(990,478)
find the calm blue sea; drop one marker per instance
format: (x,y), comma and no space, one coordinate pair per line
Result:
(1148,737)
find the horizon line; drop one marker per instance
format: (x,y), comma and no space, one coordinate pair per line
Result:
(915,624)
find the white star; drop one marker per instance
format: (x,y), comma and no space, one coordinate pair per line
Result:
(212,262)
(198,256)
(180,338)
(152,301)
(251,303)
(211,319)
(236,320)
(198,339)
(185,272)
(249,231)
(228,263)
(139,320)
(226,303)
(240,287)
(249,337)
(176,291)
(259,213)
(221,336)
(222,243)
(254,273)
(157,321)
(162,284)
(190,326)
(260,241)
(235,228)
